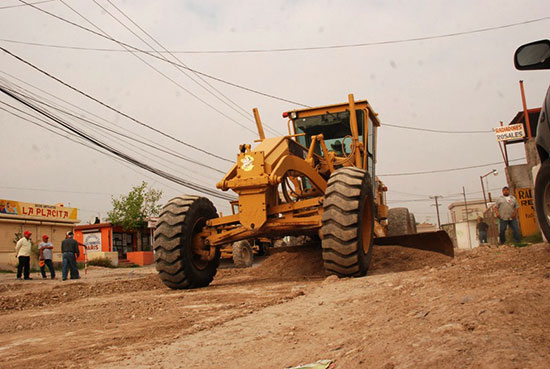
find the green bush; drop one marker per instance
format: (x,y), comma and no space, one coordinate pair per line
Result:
(128,266)
(58,265)
(102,262)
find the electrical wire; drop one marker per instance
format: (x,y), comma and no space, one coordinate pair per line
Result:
(181,66)
(425,196)
(157,146)
(114,109)
(443,170)
(223,99)
(160,72)
(85,144)
(117,133)
(165,60)
(127,146)
(276,50)
(431,130)
(118,153)
(56,191)
(20,5)
(68,136)
(179,85)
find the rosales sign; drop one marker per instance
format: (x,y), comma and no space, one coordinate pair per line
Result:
(511,132)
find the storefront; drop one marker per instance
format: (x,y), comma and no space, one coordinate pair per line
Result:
(109,241)
(17,217)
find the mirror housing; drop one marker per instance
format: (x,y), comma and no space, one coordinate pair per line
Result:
(534,55)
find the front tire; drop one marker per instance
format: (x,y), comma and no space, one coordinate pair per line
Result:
(542,198)
(243,256)
(178,265)
(348,223)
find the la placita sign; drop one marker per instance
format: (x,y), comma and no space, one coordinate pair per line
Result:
(21,209)
(511,132)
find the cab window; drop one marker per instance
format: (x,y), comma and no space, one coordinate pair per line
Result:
(334,127)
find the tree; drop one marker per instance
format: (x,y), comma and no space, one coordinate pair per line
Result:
(130,211)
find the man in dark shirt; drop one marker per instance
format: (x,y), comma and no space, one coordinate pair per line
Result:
(69,248)
(482,228)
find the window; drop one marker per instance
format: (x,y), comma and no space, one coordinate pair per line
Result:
(334,127)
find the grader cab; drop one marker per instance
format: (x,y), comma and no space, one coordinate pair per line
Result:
(319,180)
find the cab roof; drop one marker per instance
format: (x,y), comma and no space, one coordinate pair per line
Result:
(309,112)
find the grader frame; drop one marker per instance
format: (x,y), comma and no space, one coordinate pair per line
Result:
(290,185)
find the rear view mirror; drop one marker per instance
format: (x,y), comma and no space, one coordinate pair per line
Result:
(535,55)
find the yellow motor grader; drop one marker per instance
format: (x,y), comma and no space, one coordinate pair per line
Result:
(319,180)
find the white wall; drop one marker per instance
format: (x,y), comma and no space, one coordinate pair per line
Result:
(462,235)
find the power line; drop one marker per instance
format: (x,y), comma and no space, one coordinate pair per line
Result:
(157,70)
(118,133)
(118,153)
(83,143)
(442,170)
(114,109)
(70,134)
(241,111)
(20,5)
(165,60)
(432,130)
(274,50)
(172,152)
(179,85)
(56,191)
(156,146)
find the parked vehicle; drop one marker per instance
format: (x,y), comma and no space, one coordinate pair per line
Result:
(536,56)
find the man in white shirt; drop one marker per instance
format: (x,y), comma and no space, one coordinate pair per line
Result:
(23,254)
(507,211)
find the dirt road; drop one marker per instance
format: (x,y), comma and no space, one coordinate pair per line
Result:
(487,308)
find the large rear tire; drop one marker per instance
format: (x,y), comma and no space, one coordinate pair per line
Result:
(178,265)
(399,222)
(242,254)
(348,223)
(542,198)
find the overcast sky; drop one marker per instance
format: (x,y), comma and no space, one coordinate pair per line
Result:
(466,82)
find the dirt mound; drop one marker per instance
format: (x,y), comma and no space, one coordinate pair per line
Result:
(77,290)
(305,261)
(292,262)
(398,259)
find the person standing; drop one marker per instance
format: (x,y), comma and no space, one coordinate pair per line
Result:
(23,249)
(507,210)
(69,248)
(482,228)
(46,254)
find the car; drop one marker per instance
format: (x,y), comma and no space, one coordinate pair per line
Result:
(536,56)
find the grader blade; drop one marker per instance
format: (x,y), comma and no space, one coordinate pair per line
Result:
(430,241)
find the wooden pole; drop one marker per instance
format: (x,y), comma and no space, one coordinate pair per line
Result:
(525,112)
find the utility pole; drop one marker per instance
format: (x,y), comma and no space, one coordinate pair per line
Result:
(437,209)
(467,218)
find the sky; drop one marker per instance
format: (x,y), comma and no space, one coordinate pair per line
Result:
(458,83)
